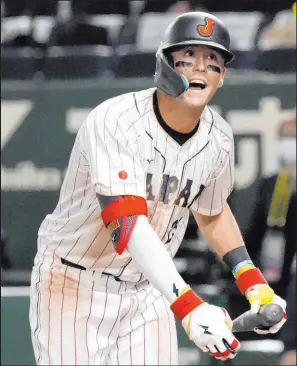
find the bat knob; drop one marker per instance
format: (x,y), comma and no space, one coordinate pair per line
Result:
(271,314)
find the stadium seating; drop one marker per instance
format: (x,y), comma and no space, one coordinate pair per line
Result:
(150,30)
(65,33)
(243,28)
(24,7)
(133,63)
(138,60)
(113,23)
(41,29)
(277,44)
(277,60)
(280,32)
(78,32)
(76,62)
(101,7)
(26,23)
(16,31)
(264,6)
(18,63)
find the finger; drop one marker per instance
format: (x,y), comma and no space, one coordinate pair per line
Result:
(227,319)
(276,327)
(233,343)
(261,331)
(201,343)
(255,306)
(204,349)
(215,352)
(220,346)
(279,301)
(224,350)
(230,353)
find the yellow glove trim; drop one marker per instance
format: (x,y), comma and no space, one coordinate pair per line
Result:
(264,294)
(183,291)
(189,325)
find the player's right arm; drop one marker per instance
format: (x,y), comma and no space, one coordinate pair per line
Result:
(207,325)
(113,153)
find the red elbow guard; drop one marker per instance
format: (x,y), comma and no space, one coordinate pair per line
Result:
(249,278)
(120,217)
(124,206)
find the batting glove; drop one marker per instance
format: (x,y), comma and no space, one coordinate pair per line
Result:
(208,326)
(253,285)
(262,294)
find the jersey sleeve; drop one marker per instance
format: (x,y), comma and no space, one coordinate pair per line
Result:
(112,150)
(214,197)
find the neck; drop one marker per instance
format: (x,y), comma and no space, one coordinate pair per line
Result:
(173,112)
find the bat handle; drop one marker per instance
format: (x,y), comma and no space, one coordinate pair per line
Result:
(267,316)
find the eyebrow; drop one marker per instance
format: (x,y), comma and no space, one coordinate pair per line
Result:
(187,48)
(211,51)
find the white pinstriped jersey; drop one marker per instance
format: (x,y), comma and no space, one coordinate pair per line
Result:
(123,134)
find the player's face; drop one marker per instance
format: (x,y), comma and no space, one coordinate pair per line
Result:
(204,69)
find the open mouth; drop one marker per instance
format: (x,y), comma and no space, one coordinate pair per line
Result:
(197,85)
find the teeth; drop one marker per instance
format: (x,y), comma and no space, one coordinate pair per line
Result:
(198,81)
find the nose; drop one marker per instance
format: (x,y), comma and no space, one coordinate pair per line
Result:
(200,62)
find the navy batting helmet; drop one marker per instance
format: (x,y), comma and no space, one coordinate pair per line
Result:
(194,28)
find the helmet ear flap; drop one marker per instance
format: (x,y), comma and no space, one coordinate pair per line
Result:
(167,79)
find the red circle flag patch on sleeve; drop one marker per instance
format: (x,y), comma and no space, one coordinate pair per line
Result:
(123,174)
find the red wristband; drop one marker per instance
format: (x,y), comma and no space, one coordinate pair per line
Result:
(185,303)
(249,278)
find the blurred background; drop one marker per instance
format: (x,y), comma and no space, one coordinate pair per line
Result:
(59,59)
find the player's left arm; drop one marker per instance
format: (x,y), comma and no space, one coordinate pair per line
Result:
(219,227)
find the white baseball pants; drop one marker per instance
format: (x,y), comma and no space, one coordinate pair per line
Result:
(81,318)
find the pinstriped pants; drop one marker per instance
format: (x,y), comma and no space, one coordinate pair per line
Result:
(81,318)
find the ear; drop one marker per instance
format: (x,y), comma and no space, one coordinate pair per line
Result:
(222,77)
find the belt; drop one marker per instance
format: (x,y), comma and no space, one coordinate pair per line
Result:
(78,266)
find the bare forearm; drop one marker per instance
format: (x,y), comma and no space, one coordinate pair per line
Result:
(221,231)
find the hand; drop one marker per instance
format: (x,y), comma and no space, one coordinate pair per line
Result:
(209,327)
(262,294)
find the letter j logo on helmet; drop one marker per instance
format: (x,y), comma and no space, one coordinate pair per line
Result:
(206,29)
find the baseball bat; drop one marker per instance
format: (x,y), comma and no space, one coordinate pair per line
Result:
(267,316)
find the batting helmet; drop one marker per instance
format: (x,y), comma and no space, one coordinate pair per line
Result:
(194,28)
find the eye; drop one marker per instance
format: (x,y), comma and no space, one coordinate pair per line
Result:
(212,56)
(189,53)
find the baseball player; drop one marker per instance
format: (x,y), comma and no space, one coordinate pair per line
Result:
(104,289)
